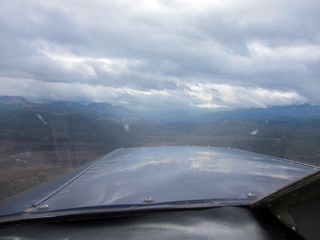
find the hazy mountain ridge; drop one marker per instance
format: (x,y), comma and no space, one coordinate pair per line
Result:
(272,112)
(95,110)
(110,109)
(13,102)
(106,109)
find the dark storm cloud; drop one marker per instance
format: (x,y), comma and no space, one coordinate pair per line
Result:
(206,54)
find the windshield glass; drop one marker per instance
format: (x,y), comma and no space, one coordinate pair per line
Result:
(80,79)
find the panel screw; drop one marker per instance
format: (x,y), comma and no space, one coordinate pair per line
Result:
(43,207)
(148,200)
(293,228)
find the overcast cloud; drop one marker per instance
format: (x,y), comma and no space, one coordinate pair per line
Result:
(162,54)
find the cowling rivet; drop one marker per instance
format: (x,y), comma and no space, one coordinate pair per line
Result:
(148,200)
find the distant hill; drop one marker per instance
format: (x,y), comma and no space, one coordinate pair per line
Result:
(274,112)
(65,107)
(13,102)
(110,109)
(64,104)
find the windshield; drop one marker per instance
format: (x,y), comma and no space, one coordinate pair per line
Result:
(80,79)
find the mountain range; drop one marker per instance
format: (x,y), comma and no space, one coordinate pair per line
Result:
(303,111)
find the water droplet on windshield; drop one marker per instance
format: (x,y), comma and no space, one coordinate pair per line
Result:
(126,127)
(254,132)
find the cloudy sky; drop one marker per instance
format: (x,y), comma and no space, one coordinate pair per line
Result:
(162,54)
